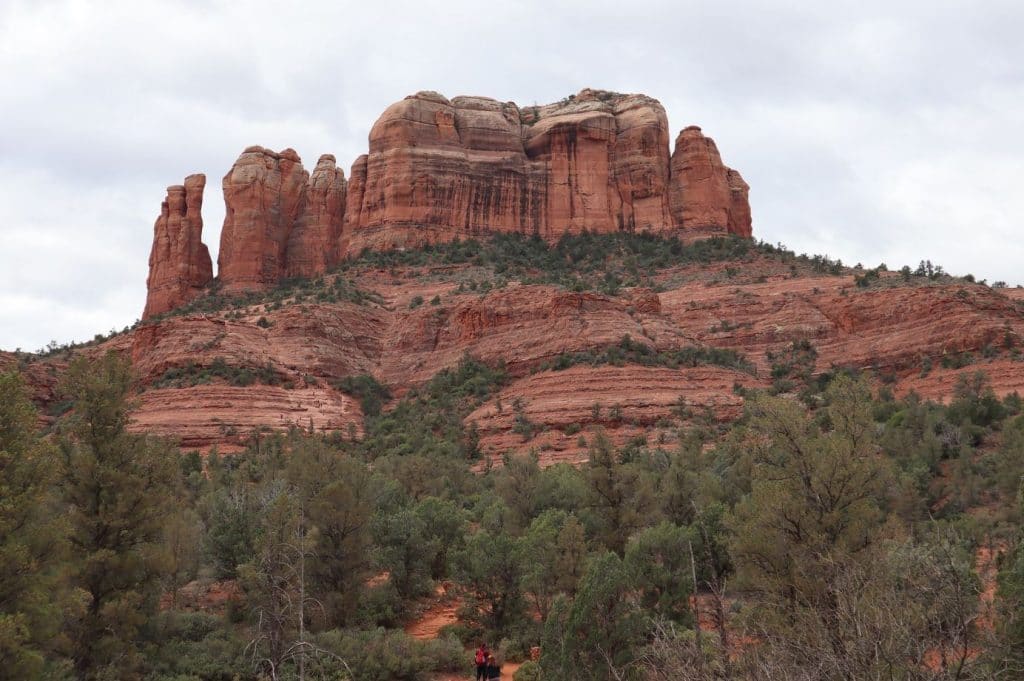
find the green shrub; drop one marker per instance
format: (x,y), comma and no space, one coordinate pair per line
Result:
(372,393)
(386,655)
(628,351)
(192,374)
(428,421)
(529,671)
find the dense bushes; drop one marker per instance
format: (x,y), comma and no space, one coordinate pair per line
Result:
(579,262)
(388,655)
(801,525)
(322,290)
(371,393)
(193,374)
(429,421)
(628,351)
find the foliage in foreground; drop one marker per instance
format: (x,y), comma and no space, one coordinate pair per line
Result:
(800,528)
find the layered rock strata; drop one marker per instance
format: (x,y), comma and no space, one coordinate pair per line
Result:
(439,170)
(179,262)
(264,200)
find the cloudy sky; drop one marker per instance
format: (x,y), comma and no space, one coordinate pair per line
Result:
(869,131)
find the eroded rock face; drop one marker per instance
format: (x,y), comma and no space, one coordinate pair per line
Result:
(440,169)
(759,310)
(315,238)
(705,194)
(179,262)
(264,198)
(756,313)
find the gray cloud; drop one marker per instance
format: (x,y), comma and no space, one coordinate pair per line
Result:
(871,131)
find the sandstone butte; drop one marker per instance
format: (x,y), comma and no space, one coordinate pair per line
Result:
(440,169)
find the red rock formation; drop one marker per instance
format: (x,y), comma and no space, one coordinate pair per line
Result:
(264,197)
(641,164)
(633,400)
(440,169)
(314,240)
(705,194)
(179,262)
(759,310)
(223,415)
(756,309)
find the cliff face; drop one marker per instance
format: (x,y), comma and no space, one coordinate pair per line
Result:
(264,200)
(755,306)
(440,169)
(179,263)
(313,245)
(704,193)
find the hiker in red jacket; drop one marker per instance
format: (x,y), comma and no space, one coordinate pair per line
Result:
(481,662)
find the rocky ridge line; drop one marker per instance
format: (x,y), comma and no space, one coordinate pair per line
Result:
(439,170)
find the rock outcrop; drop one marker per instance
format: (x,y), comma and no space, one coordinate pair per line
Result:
(705,194)
(205,415)
(314,240)
(179,262)
(440,169)
(756,306)
(264,199)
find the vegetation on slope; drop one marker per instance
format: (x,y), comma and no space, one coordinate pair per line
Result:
(628,351)
(803,527)
(582,262)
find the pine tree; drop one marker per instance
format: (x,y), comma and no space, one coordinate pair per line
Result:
(597,634)
(621,495)
(117,488)
(816,502)
(29,537)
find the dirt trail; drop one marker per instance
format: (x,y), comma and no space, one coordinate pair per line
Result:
(429,625)
(440,614)
(986,564)
(508,670)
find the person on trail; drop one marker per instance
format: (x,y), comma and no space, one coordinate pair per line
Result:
(493,668)
(481,662)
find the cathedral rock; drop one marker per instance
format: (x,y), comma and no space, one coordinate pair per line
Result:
(179,263)
(440,169)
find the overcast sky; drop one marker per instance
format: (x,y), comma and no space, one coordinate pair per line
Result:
(870,131)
